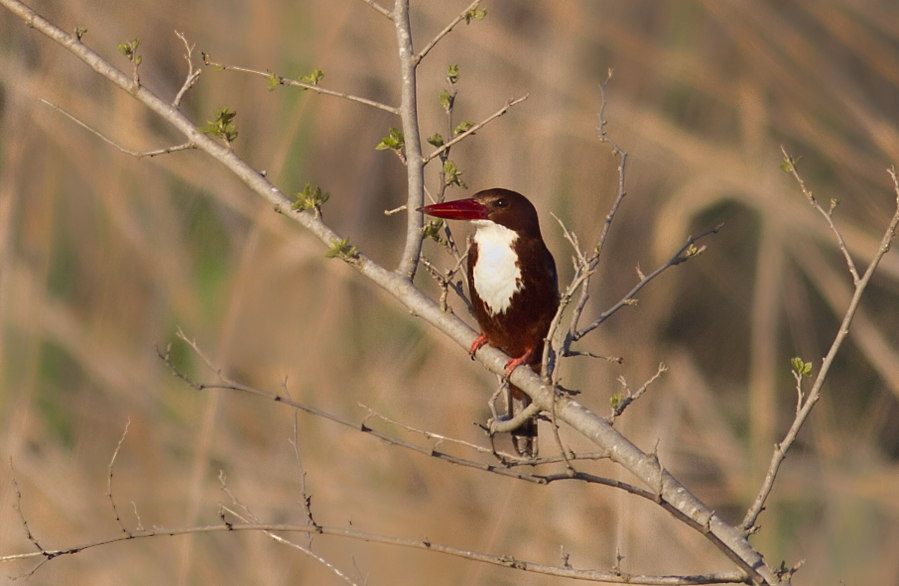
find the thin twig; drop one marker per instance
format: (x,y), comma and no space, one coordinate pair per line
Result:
(790,165)
(622,166)
(231,385)
(302,84)
(585,266)
(192,74)
(379,8)
(571,472)
(686,252)
(301,472)
(47,556)
(475,128)
(439,439)
(109,478)
(630,398)
(251,518)
(228,384)
(448,281)
(446,30)
(127,151)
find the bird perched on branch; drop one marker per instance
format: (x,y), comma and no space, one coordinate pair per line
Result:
(513,286)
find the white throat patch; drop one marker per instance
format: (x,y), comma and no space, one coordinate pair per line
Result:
(496,276)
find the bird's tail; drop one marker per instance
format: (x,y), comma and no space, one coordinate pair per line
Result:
(524,437)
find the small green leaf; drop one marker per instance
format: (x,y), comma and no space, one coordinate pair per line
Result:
(452,73)
(272,81)
(394,141)
(342,249)
(476,13)
(223,125)
(310,198)
(800,367)
(313,78)
(462,127)
(436,140)
(432,230)
(129,50)
(615,400)
(788,164)
(446,100)
(453,175)
(80,32)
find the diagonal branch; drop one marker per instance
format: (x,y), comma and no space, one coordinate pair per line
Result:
(136,154)
(449,144)
(780,450)
(447,29)
(789,164)
(302,84)
(377,7)
(686,252)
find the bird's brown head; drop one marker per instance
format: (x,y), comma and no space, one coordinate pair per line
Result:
(502,206)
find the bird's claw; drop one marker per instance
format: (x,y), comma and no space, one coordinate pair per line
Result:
(516,362)
(476,345)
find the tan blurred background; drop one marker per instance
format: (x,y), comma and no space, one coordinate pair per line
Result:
(103,256)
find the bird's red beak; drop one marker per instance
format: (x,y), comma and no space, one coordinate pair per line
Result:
(460,209)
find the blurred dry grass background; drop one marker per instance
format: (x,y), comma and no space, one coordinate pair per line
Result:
(103,256)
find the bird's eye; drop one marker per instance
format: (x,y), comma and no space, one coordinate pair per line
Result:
(502,202)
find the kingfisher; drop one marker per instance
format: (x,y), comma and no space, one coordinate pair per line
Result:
(513,286)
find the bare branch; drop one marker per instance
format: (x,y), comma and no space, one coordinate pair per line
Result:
(192,74)
(622,165)
(445,31)
(109,478)
(127,151)
(47,556)
(585,266)
(686,252)
(252,519)
(423,544)
(780,450)
(448,281)
(302,84)
(379,8)
(301,472)
(630,398)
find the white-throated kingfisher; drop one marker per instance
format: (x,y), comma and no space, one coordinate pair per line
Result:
(513,286)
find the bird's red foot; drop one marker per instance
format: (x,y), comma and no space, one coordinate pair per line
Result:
(516,362)
(476,345)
